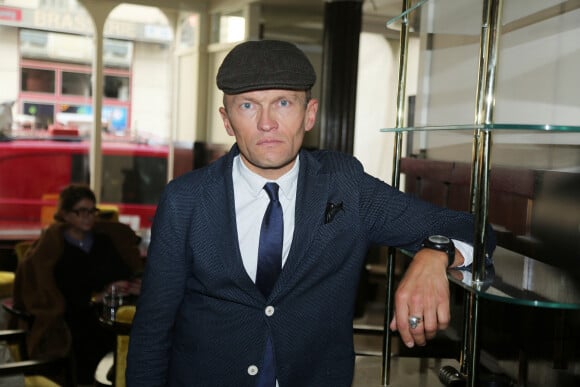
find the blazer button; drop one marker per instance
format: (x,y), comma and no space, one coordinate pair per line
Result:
(252,370)
(269,310)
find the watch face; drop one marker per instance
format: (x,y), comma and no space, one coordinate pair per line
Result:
(439,239)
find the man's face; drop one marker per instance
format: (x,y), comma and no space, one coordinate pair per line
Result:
(269,127)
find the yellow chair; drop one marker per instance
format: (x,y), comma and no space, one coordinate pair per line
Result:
(39,381)
(6,284)
(124,315)
(7,277)
(108,212)
(111,368)
(47,215)
(48,209)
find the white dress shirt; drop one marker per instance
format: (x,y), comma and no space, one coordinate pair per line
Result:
(251,201)
(466,250)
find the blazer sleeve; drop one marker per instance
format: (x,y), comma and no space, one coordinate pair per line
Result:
(402,220)
(162,291)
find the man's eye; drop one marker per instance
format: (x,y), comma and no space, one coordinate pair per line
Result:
(284,102)
(246,105)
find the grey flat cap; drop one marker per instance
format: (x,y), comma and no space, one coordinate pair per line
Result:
(265,64)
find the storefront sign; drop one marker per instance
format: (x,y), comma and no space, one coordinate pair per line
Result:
(81,23)
(10,14)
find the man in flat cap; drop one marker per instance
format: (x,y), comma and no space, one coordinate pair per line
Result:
(254,260)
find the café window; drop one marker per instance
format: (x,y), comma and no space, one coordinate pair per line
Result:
(74,83)
(228,27)
(188,31)
(37,80)
(116,87)
(56,92)
(43,113)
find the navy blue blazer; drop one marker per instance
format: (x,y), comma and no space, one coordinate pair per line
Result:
(200,319)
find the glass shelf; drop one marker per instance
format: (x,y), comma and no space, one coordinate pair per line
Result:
(536,42)
(498,126)
(520,280)
(524,281)
(516,16)
(397,19)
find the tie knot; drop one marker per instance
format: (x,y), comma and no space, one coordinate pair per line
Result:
(272,191)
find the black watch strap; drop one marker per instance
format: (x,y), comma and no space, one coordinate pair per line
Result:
(441,243)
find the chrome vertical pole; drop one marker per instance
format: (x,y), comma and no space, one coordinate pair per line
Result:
(482,137)
(397,154)
(480,176)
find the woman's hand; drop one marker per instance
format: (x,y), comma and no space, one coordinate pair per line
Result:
(125,287)
(134,286)
(120,288)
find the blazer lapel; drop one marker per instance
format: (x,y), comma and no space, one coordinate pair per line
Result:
(219,200)
(311,200)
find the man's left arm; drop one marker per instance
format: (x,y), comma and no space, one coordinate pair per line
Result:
(403,221)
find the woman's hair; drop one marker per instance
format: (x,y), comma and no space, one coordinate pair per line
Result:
(70,196)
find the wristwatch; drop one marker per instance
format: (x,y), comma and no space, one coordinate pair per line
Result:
(441,243)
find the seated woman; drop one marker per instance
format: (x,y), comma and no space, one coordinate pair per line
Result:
(74,260)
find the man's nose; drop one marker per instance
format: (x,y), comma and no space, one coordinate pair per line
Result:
(267,121)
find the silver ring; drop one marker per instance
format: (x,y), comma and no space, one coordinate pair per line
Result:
(414,321)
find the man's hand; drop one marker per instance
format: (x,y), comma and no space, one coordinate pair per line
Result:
(424,293)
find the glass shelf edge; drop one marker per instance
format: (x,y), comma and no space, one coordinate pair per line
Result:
(400,16)
(507,299)
(495,289)
(498,126)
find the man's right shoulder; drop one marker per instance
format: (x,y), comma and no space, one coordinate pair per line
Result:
(185,186)
(195,183)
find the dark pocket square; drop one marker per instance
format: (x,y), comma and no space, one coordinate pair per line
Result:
(331,210)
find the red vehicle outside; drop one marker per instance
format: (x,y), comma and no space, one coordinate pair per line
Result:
(133,176)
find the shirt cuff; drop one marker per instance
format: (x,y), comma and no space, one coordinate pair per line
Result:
(466,250)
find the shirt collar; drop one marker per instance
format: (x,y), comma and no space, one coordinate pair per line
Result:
(255,183)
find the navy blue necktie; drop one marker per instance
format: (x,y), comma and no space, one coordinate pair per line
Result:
(271,239)
(269,267)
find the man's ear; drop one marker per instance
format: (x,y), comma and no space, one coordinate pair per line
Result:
(311,111)
(226,121)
